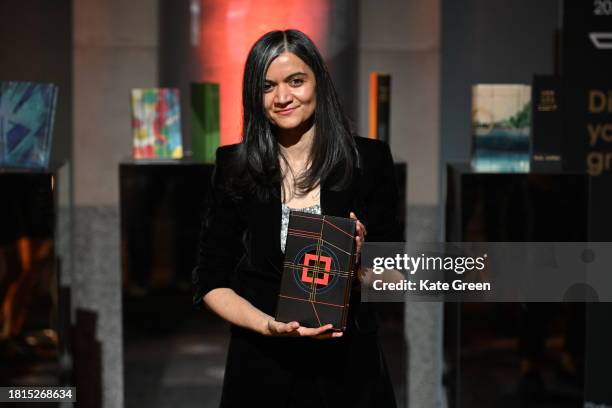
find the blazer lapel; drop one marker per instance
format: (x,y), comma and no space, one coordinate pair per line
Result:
(268,221)
(336,203)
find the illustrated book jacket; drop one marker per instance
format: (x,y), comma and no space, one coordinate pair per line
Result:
(27,115)
(501,120)
(156,123)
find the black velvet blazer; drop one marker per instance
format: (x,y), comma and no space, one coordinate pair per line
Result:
(240,242)
(240,249)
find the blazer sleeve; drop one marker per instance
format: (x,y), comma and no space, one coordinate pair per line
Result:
(220,246)
(382,201)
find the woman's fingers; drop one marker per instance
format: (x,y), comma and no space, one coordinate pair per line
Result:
(327,336)
(280,328)
(292,326)
(359,242)
(294,329)
(360,232)
(361,229)
(312,331)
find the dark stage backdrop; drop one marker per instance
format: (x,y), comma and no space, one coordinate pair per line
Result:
(181,63)
(587,145)
(494,41)
(36,38)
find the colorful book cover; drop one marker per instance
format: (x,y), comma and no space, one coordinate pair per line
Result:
(205,122)
(27,115)
(318,270)
(156,123)
(501,120)
(379,106)
(546,130)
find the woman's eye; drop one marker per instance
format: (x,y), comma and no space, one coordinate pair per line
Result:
(267,87)
(296,82)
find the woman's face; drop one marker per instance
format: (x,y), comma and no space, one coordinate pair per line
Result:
(289,91)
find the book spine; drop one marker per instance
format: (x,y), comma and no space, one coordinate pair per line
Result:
(384,100)
(373,106)
(135,98)
(4,86)
(50,125)
(546,124)
(379,106)
(172,125)
(205,121)
(349,284)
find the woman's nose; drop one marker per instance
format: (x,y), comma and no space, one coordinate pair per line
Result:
(283,95)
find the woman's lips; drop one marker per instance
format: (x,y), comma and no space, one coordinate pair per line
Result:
(285,112)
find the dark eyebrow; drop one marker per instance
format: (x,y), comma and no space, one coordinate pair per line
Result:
(289,78)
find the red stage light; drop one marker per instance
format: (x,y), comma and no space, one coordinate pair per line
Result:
(228,30)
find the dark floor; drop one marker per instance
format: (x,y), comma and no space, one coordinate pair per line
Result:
(182,365)
(182,369)
(175,359)
(497,339)
(492,377)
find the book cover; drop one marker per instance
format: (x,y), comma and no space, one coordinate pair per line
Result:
(156,123)
(27,116)
(205,122)
(318,270)
(546,136)
(379,109)
(501,120)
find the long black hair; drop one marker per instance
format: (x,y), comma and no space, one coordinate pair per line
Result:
(333,147)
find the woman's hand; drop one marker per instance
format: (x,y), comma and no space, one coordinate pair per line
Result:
(360,233)
(293,329)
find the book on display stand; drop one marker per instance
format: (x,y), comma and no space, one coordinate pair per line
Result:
(546,124)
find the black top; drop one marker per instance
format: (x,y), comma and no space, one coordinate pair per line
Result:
(240,249)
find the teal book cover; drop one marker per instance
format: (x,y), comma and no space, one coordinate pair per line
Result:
(501,121)
(27,115)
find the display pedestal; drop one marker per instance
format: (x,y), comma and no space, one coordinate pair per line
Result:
(161,205)
(35,260)
(501,351)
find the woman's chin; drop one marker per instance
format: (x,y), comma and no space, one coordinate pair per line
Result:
(295,123)
(287,124)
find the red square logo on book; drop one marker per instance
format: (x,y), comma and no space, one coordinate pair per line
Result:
(312,268)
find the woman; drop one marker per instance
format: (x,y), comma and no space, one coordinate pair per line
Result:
(297,152)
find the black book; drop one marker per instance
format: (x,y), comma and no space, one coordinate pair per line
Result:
(318,270)
(546,124)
